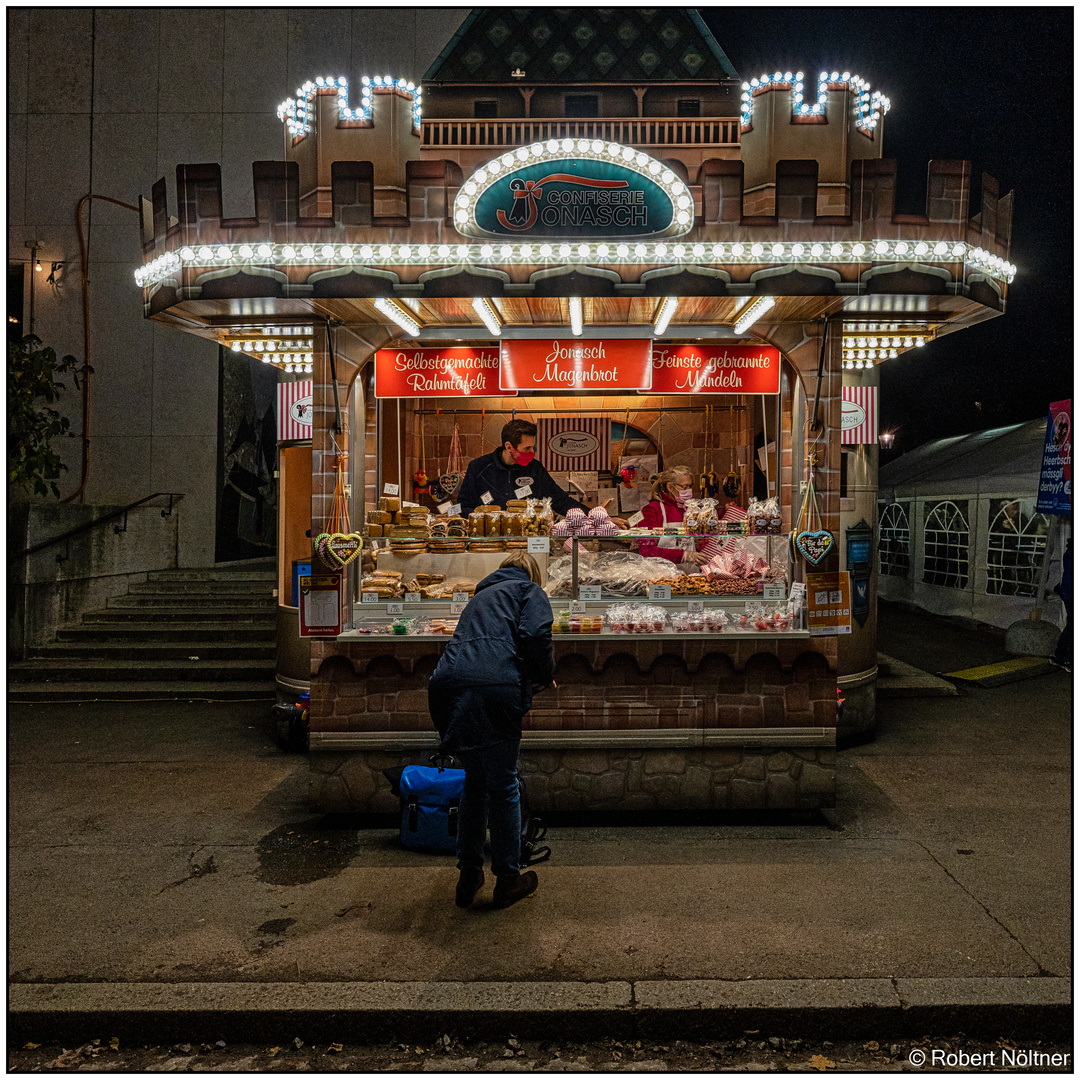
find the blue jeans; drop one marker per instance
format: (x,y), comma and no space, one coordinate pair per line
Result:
(490,799)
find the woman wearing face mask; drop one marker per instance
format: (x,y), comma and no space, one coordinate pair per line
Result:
(672,490)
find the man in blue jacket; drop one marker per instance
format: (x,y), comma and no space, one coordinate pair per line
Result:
(512,472)
(483,685)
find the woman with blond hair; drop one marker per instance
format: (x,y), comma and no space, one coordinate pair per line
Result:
(672,490)
(499,656)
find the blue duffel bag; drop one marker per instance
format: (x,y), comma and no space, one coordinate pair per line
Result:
(430,797)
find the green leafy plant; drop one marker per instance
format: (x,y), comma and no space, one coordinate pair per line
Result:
(32,423)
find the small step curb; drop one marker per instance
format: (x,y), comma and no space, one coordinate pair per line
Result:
(254,1012)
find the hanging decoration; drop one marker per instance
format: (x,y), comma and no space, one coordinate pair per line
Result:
(421,483)
(813,544)
(707,481)
(339,545)
(449,481)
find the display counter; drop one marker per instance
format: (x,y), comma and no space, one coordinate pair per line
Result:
(662,700)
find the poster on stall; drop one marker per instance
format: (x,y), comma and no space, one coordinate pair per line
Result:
(320,605)
(828,604)
(574,443)
(635,470)
(1055,478)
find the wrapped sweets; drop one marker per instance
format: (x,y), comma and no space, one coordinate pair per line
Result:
(560,528)
(575,518)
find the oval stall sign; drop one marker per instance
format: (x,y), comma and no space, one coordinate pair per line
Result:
(572,444)
(300,411)
(851,415)
(606,193)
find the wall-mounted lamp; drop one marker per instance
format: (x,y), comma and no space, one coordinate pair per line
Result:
(575,315)
(393,310)
(663,314)
(486,310)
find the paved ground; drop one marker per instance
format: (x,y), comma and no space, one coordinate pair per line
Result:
(154,846)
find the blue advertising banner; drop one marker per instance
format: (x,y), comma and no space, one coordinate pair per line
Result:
(1055,478)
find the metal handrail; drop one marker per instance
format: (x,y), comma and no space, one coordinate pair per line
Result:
(120,512)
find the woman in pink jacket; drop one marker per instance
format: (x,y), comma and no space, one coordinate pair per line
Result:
(672,490)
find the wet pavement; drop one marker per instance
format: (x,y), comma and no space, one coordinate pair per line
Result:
(163,856)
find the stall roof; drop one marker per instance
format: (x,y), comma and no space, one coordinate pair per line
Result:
(1006,459)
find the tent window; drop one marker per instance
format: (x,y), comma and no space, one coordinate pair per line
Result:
(894,540)
(945,544)
(1014,547)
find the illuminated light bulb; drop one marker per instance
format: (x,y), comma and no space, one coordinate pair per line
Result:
(224,254)
(574,304)
(309,359)
(642,159)
(187,254)
(627,153)
(567,145)
(522,154)
(920,342)
(602,251)
(797,250)
(307,251)
(596,146)
(245,251)
(366,252)
(486,251)
(908,343)
(470,188)
(614,149)
(584,250)
(958,249)
(545,251)
(757,249)
(683,217)
(893,354)
(259,346)
(678,251)
(754,312)
(778,250)
(424,251)
(654,167)
(564,251)
(881,247)
(858,364)
(266,359)
(737,249)
(622,251)
(525,251)
(288,252)
(661,250)
(940,248)
(385,251)
(858,250)
(667,176)
(872,354)
(718,251)
(462,251)
(289,368)
(248,347)
(506,251)
(237,347)
(536,149)
(583,146)
(205,253)
(639,250)
(444,251)
(264,251)
(308,368)
(398,314)
(327,251)
(920,248)
(552,146)
(488,316)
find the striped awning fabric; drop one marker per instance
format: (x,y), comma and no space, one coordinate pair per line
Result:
(294,411)
(574,444)
(858,422)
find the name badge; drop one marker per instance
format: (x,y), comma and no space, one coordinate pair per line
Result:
(524,481)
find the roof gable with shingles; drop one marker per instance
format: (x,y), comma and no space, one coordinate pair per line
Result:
(582,45)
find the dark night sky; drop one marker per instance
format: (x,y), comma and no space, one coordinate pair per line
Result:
(993,85)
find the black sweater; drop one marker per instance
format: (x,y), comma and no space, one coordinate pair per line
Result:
(489,474)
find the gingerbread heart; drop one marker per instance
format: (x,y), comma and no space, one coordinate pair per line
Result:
(449,483)
(814,546)
(320,545)
(342,548)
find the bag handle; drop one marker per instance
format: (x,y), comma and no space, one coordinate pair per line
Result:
(442,759)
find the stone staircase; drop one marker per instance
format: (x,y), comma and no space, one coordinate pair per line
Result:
(182,634)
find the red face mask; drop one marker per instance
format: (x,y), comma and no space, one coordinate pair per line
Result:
(523,457)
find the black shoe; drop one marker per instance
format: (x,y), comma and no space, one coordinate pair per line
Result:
(1065,665)
(468,886)
(509,890)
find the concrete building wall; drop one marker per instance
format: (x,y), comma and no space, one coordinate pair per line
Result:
(107,100)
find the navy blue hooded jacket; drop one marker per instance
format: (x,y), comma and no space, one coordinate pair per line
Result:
(490,474)
(500,653)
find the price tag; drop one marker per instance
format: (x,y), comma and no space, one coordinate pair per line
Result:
(395,609)
(369,598)
(659,592)
(522,492)
(487,498)
(413,598)
(443,508)
(577,607)
(671,530)
(389,489)
(589,592)
(456,609)
(460,598)
(538,545)
(695,607)
(748,608)
(773,590)
(454,510)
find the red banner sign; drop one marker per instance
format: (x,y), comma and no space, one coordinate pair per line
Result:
(715,369)
(455,372)
(603,364)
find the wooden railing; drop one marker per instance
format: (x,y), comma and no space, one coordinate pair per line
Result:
(660,132)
